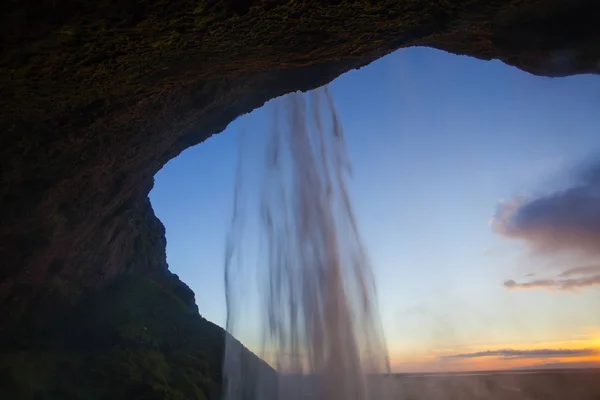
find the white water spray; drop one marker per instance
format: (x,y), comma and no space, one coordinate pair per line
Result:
(320,327)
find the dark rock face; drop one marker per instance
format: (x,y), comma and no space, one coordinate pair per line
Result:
(98,96)
(130,340)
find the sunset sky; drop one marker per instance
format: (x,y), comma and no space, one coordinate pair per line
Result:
(477,188)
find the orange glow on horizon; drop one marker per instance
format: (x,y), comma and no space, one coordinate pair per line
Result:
(434,361)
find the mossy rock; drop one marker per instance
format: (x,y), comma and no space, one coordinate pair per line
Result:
(131,340)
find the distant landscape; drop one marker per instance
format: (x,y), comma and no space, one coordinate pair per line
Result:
(564,384)
(542,384)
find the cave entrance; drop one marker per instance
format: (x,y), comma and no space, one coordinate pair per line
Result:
(463,171)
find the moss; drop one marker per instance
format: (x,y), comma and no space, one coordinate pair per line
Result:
(131,340)
(113,51)
(118,373)
(25,374)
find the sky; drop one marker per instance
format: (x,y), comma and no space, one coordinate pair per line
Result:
(476,187)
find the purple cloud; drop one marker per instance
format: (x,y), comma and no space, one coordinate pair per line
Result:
(538,353)
(585,270)
(564,221)
(555,284)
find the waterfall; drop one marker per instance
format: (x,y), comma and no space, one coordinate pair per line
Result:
(319,325)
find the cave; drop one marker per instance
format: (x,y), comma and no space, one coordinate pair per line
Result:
(97,98)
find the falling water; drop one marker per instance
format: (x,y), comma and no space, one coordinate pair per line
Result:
(320,328)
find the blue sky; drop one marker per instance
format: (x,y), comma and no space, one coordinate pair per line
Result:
(437,142)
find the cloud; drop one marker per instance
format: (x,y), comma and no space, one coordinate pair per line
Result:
(564,221)
(586,270)
(537,353)
(555,284)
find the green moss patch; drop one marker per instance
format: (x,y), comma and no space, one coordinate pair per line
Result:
(131,340)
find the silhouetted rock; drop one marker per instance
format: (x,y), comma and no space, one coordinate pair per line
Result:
(132,339)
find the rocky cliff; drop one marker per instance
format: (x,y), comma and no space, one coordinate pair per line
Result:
(132,339)
(98,96)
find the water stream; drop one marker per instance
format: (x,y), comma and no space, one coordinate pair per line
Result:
(319,322)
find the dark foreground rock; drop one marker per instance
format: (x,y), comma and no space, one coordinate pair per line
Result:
(96,96)
(133,339)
